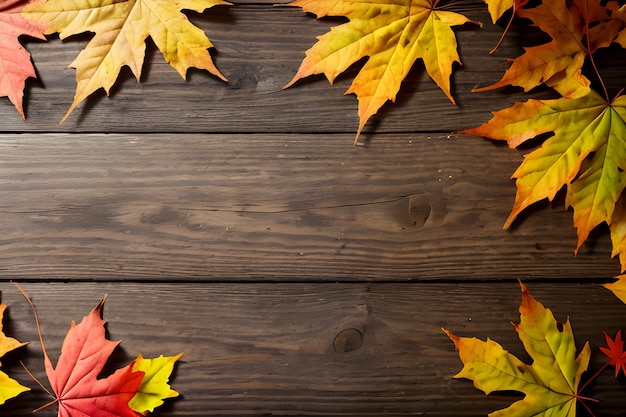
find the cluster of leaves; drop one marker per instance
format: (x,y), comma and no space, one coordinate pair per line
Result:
(586,150)
(551,383)
(132,391)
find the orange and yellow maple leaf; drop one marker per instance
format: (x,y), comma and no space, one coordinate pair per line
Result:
(550,383)
(393,34)
(559,62)
(121,28)
(587,153)
(15,63)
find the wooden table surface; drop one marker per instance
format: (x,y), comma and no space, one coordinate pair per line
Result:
(236,222)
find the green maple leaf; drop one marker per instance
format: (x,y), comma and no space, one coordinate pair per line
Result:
(587,154)
(550,383)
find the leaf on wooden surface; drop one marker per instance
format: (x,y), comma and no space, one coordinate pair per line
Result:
(393,35)
(618,288)
(154,388)
(120,29)
(9,388)
(615,352)
(15,62)
(558,63)
(587,153)
(550,382)
(75,382)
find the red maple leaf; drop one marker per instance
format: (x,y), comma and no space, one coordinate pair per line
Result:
(615,352)
(78,391)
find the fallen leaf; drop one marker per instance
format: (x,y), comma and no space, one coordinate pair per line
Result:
(550,382)
(615,352)
(9,388)
(587,153)
(120,29)
(15,63)
(393,35)
(154,388)
(558,63)
(618,288)
(75,382)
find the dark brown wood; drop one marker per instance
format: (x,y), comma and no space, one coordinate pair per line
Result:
(276,207)
(261,349)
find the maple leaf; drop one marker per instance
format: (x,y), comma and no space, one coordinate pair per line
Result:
(618,288)
(393,34)
(550,383)
(9,388)
(615,352)
(587,153)
(559,62)
(154,386)
(15,62)
(75,381)
(121,28)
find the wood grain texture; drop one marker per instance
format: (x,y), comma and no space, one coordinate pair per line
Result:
(265,349)
(276,207)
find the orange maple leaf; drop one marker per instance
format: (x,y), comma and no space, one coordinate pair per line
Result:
(15,63)
(559,62)
(393,35)
(121,29)
(587,154)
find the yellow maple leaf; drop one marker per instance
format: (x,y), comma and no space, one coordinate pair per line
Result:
(550,382)
(154,387)
(121,28)
(618,288)
(587,154)
(393,34)
(9,388)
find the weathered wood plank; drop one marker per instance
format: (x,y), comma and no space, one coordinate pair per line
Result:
(301,349)
(276,207)
(259,49)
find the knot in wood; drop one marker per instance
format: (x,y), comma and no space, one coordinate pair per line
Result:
(348,340)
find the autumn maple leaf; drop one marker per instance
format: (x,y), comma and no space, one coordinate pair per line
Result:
(121,28)
(393,35)
(558,63)
(75,382)
(9,388)
(550,383)
(15,62)
(587,154)
(154,386)
(615,352)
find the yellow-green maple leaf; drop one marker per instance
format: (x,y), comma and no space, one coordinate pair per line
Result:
(393,34)
(121,28)
(9,388)
(587,153)
(550,383)
(154,387)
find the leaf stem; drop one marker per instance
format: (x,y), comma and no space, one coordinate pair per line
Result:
(590,53)
(34,378)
